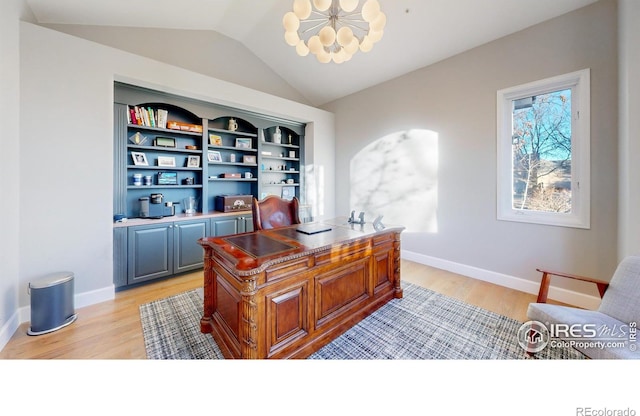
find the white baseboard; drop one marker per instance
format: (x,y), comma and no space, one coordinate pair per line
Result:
(8,329)
(558,294)
(96,296)
(80,300)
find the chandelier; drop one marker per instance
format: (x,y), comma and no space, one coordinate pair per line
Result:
(333,30)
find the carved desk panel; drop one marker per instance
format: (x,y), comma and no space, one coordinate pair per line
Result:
(280,293)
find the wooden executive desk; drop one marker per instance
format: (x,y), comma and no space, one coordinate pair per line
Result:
(284,294)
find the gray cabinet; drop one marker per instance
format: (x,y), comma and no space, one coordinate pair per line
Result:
(161,250)
(188,254)
(232,225)
(150,252)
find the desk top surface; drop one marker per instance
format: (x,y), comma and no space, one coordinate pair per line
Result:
(251,250)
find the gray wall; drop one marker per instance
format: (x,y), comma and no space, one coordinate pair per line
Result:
(204,51)
(9,143)
(457,99)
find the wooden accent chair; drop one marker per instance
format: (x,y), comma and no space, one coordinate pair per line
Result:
(274,212)
(615,320)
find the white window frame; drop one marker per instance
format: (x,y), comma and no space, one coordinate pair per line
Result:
(580,216)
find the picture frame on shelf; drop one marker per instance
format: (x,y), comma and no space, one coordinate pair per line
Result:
(193,162)
(215,140)
(165,142)
(214,156)
(139,159)
(249,159)
(167,178)
(167,161)
(288,192)
(243,143)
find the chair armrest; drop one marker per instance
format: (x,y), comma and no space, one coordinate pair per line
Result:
(546,279)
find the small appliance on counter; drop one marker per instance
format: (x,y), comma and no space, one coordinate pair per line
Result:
(153,207)
(228,203)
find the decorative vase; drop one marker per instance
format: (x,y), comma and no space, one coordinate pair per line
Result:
(277,136)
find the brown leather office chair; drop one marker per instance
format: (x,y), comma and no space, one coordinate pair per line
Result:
(274,212)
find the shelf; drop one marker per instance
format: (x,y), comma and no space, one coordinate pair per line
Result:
(235,164)
(164,131)
(164,186)
(289,146)
(279,171)
(233,179)
(163,168)
(293,159)
(235,149)
(235,133)
(163,149)
(280,184)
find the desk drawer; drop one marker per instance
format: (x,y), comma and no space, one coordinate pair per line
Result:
(343,252)
(288,268)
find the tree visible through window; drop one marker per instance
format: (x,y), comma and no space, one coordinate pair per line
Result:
(543,151)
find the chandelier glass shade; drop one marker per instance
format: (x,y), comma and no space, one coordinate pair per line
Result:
(333,30)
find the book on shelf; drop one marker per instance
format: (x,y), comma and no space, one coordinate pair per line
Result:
(144,116)
(178,125)
(139,116)
(162,118)
(132,116)
(135,117)
(152,118)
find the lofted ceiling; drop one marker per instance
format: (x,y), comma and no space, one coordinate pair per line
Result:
(418,32)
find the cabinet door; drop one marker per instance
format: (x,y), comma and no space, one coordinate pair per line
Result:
(245,224)
(224,226)
(150,249)
(188,253)
(232,225)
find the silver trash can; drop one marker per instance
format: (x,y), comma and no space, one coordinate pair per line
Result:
(52,305)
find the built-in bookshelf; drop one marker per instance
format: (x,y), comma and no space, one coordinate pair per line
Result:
(184,148)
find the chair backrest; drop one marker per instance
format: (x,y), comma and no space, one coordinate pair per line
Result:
(274,212)
(622,298)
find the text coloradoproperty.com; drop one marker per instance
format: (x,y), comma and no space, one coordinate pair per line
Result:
(560,343)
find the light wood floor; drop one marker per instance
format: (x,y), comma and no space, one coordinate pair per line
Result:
(112,329)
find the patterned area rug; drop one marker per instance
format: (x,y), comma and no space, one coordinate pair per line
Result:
(422,325)
(171,329)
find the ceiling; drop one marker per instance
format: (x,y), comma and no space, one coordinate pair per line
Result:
(418,32)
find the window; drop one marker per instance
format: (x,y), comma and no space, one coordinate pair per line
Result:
(543,151)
